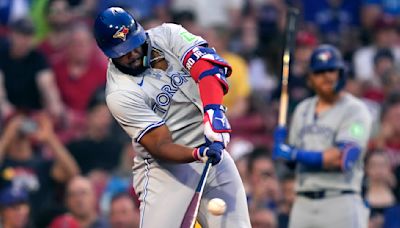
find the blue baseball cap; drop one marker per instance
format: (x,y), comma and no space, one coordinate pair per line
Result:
(10,196)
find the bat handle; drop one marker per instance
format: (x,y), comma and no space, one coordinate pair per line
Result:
(190,216)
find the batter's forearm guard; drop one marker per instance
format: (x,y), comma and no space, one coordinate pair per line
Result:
(202,62)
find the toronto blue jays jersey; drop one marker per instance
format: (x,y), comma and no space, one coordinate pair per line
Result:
(156,97)
(347,121)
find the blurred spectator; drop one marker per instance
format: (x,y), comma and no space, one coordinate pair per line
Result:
(26,82)
(188,20)
(391,81)
(64,221)
(81,203)
(286,203)
(248,41)
(383,63)
(79,73)
(392,218)
(14,208)
(387,7)
(265,189)
(141,9)
(97,149)
(385,36)
(380,181)
(124,213)
(12,10)
(59,18)
(263,218)
(332,18)
(151,23)
(239,89)
(211,13)
(22,144)
(388,137)
(270,18)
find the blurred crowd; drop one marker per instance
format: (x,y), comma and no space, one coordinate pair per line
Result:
(65,163)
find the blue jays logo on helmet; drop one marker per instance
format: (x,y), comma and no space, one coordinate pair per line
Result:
(117,32)
(121,33)
(324,56)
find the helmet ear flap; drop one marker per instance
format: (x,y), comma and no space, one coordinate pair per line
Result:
(341,81)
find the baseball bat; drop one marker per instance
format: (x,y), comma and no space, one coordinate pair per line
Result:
(191,213)
(290,33)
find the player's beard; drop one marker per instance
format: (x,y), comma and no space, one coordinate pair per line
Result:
(136,67)
(131,71)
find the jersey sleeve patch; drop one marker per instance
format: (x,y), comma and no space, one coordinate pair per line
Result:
(187,36)
(357,130)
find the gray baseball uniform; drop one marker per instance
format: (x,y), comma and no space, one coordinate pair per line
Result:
(171,97)
(347,121)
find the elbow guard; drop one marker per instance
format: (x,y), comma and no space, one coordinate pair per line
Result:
(350,154)
(202,62)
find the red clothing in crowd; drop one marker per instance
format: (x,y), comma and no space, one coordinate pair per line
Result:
(76,92)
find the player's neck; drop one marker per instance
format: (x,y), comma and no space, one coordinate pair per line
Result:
(325,102)
(160,62)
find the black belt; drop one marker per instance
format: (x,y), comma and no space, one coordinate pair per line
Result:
(324,193)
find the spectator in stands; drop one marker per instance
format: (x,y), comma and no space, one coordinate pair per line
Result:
(388,137)
(211,13)
(26,81)
(124,213)
(79,73)
(264,183)
(286,203)
(391,81)
(248,41)
(81,203)
(97,150)
(237,99)
(22,145)
(263,218)
(14,208)
(64,221)
(59,17)
(142,9)
(385,36)
(188,20)
(332,18)
(12,10)
(383,63)
(380,181)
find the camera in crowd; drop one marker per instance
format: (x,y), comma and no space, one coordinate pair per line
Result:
(28,126)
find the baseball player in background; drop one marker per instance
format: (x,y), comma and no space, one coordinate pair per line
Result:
(327,141)
(165,87)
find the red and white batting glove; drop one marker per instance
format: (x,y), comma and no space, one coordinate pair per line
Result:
(213,152)
(216,125)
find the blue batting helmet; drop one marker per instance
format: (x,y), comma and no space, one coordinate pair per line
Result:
(327,57)
(117,32)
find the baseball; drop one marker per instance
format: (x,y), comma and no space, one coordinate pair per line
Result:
(217,206)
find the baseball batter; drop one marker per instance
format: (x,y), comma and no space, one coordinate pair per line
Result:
(165,88)
(327,141)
